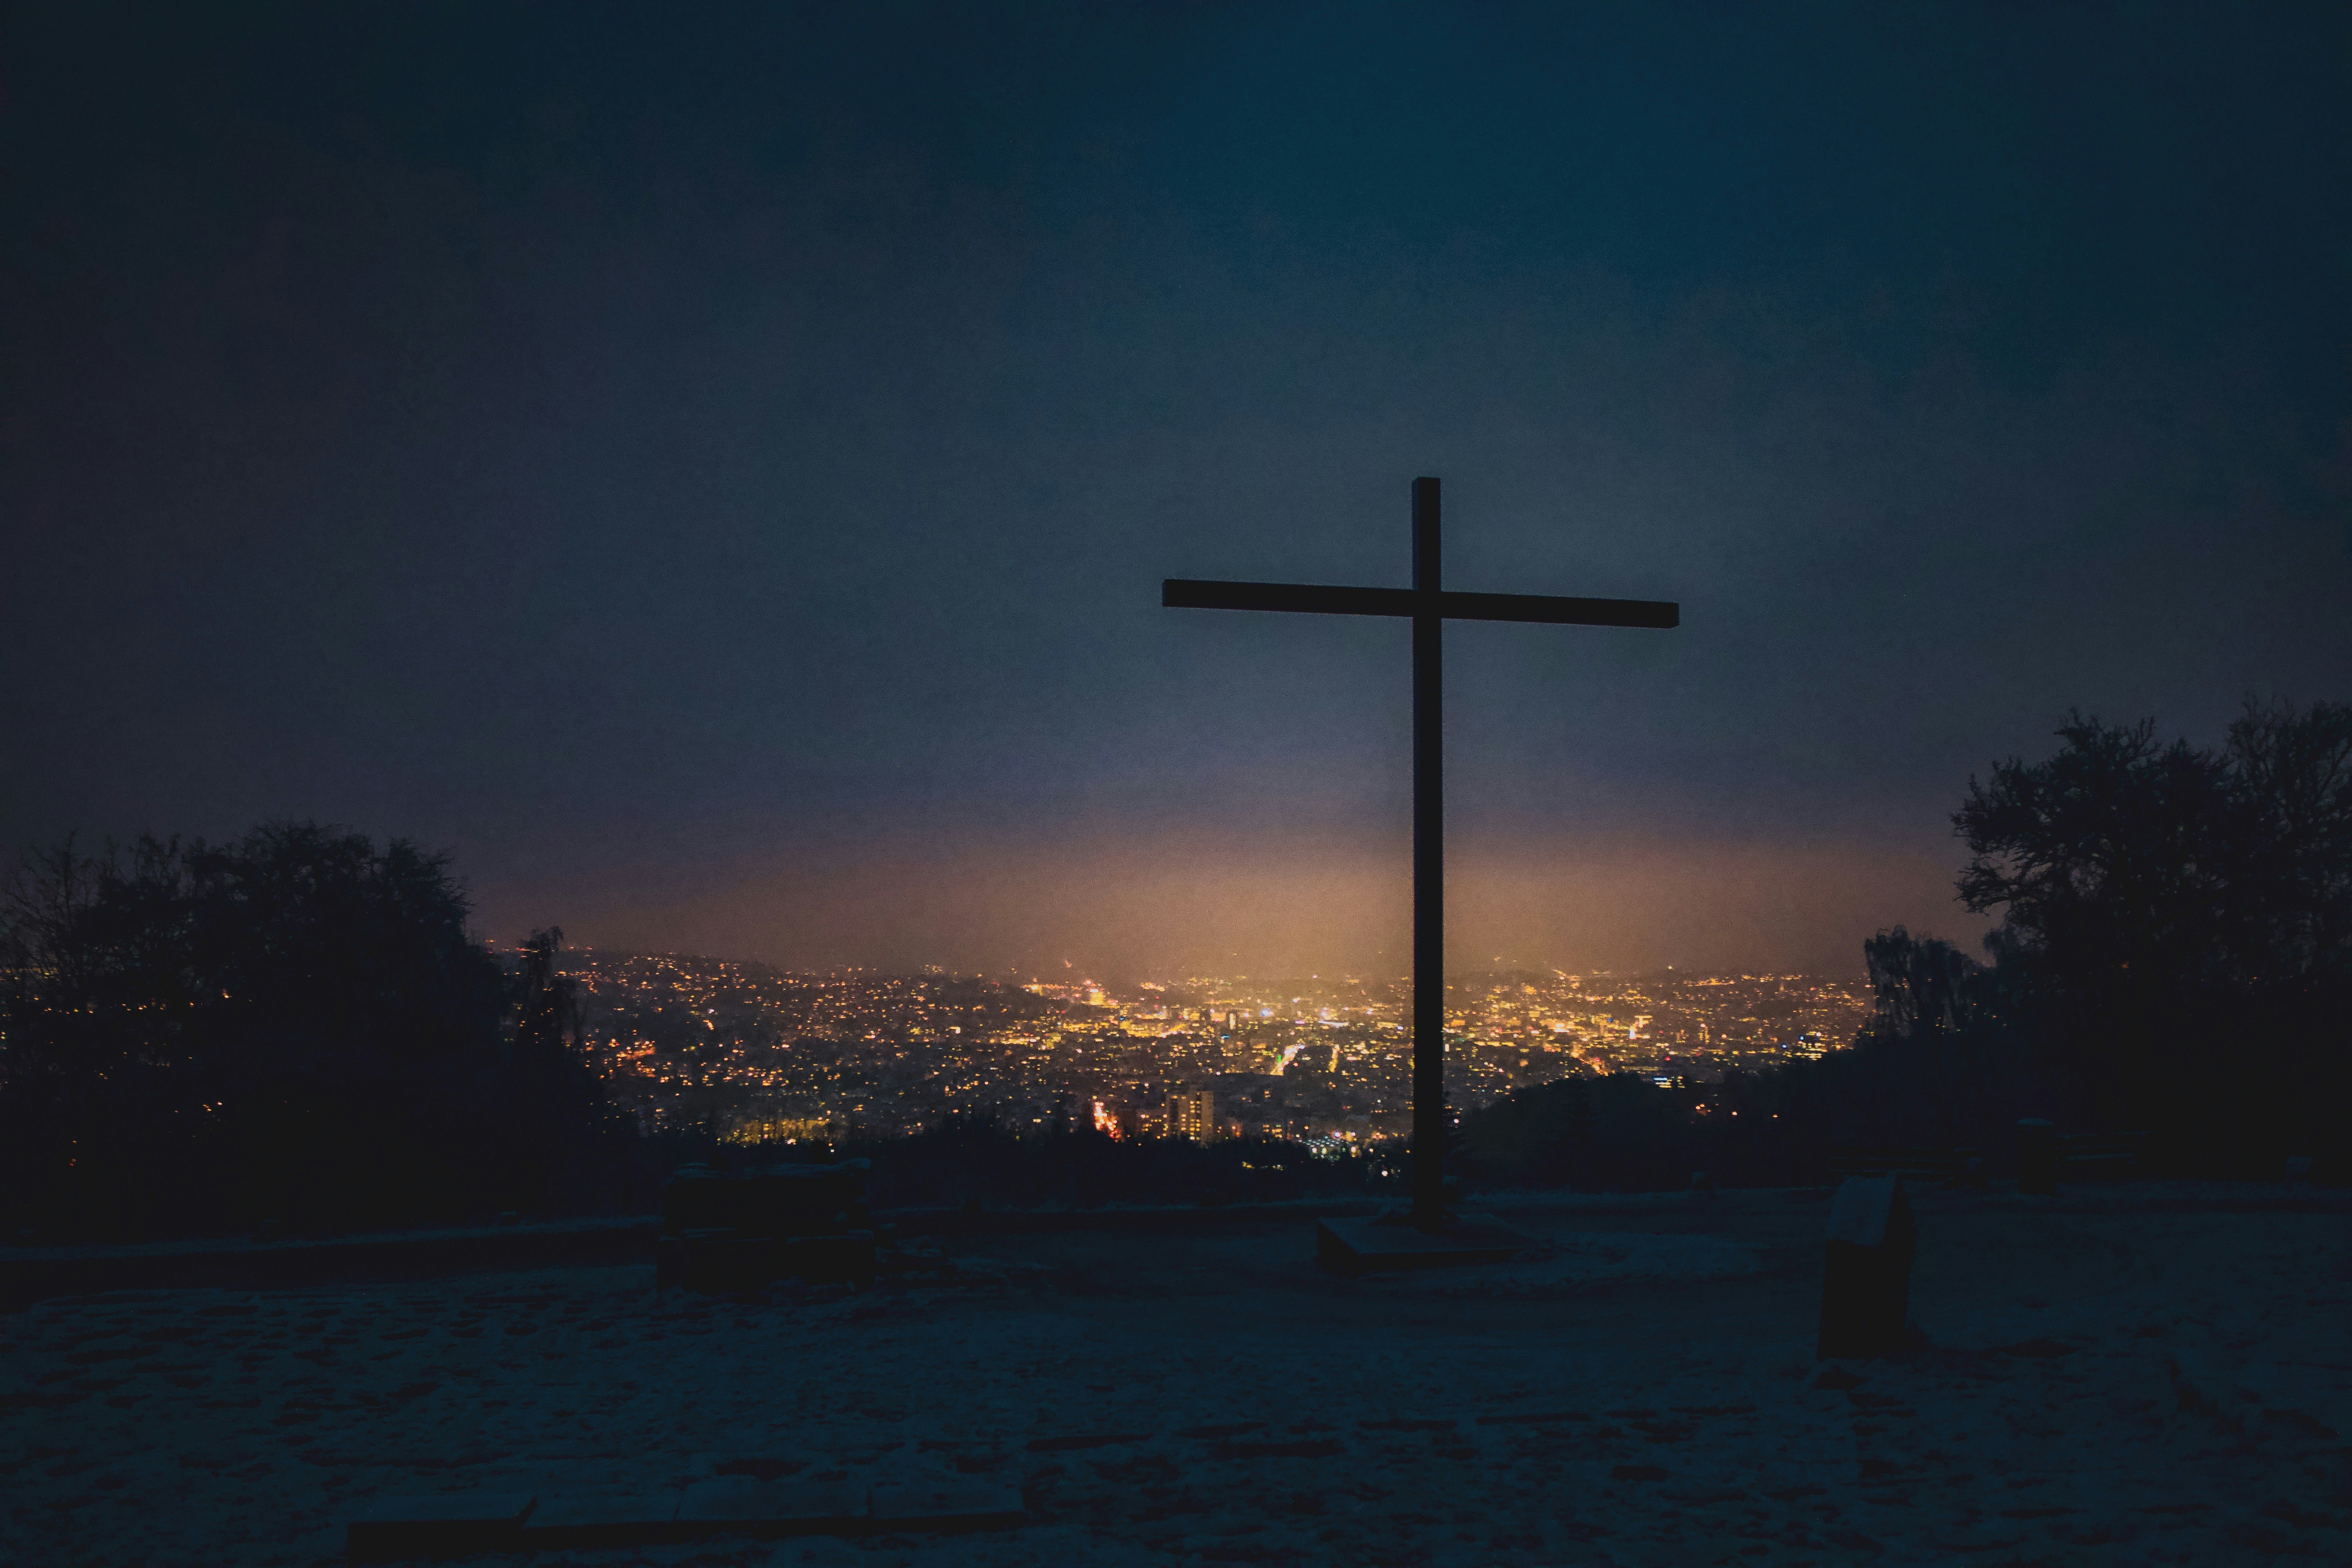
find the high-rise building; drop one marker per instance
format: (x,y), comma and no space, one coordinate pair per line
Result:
(1192,1113)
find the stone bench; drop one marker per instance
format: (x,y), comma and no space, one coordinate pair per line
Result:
(2044,1154)
(2123,1151)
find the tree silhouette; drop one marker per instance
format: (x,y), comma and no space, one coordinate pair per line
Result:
(557,1106)
(2179,918)
(294,1025)
(1922,985)
(1926,1001)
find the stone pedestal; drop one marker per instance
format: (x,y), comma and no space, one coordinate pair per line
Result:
(461,1525)
(595,1524)
(772,1508)
(1353,1247)
(471,1524)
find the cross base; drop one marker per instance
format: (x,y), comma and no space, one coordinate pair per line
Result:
(1354,1246)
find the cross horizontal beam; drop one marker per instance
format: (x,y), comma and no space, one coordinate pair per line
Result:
(1197,593)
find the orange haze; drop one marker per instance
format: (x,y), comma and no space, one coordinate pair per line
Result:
(1204,901)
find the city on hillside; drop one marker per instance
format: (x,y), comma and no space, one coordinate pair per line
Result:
(762,1055)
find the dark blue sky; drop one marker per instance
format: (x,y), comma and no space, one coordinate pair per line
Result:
(712,469)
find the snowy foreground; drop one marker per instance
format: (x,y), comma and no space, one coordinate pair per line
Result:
(2139,1374)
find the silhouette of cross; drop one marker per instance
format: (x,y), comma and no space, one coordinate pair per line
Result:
(1430,607)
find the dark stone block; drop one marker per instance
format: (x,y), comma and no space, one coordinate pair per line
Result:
(738,1231)
(1866,1274)
(2037,1157)
(727,1260)
(456,1525)
(828,1258)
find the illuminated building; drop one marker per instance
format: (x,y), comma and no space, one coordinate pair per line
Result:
(1192,1113)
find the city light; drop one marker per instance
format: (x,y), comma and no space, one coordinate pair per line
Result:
(759,1055)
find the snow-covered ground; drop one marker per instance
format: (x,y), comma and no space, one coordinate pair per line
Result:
(2136,1373)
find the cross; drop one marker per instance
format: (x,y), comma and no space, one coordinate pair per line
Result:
(1430,607)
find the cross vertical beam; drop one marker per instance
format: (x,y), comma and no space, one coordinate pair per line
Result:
(1429,1118)
(1429,607)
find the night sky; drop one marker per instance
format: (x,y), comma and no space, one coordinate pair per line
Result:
(712,470)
